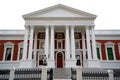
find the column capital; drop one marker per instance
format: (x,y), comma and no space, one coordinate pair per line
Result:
(32,26)
(26,26)
(52,26)
(47,26)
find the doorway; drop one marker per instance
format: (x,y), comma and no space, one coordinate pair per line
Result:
(60,59)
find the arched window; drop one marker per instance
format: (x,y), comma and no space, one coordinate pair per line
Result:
(8,51)
(110,52)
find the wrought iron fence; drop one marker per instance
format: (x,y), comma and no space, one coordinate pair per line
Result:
(73,73)
(116,74)
(95,74)
(50,74)
(27,74)
(4,74)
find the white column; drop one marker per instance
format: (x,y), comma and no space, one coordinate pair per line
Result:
(46,41)
(72,42)
(52,43)
(88,43)
(35,45)
(25,43)
(67,43)
(83,46)
(31,43)
(93,43)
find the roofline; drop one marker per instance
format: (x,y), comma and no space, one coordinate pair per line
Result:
(97,32)
(50,7)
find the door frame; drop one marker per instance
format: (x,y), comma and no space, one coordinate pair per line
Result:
(62,58)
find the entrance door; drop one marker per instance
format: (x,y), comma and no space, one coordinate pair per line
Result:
(59,60)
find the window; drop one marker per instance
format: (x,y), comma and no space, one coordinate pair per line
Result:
(8,51)
(59,35)
(77,45)
(98,53)
(42,43)
(8,54)
(110,53)
(98,49)
(59,44)
(20,51)
(119,48)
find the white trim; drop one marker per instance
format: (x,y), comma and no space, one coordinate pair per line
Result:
(61,44)
(62,57)
(8,45)
(119,48)
(41,40)
(110,45)
(20,45)
(98,45)
(78,41)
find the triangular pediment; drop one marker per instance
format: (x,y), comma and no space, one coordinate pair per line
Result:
(59,11)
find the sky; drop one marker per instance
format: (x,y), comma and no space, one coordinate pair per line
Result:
(107,11)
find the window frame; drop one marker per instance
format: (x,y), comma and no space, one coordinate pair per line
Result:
(119,48)
(20,45)
(42,40)
(110,45)
(98,45)
(78,41)
(8,45)
(61,44)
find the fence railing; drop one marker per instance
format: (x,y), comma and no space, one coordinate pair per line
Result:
(50,74)
(35,74)
(95,75)
(21,74)
(116,74)
(27,73)
(4,74)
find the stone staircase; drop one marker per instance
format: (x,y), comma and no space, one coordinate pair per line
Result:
(61,74)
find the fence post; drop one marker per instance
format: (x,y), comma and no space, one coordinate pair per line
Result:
(79,73)
(44,73)
(110,72)
(12,70)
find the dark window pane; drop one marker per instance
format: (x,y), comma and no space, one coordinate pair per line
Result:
(110,54)
(98,53)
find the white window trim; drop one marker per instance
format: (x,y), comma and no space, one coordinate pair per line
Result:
(20,45)
(119,48)
(77,40)
(98,45)
(61,44)
(8,45)
(110,45)
(41,40)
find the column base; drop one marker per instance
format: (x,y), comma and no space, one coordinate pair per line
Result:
(71,63)
(50,63)
(26,64)
(93,64)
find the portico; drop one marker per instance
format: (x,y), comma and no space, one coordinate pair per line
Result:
(64,20)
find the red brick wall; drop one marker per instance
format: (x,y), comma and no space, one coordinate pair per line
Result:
(115,47)
(15,53)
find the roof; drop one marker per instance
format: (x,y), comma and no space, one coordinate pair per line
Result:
(59,10)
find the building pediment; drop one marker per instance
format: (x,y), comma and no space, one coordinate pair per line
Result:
(59,11)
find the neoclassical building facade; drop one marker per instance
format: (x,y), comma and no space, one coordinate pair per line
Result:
(60,35)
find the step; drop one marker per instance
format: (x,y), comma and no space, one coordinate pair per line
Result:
(61,73)
(62,79)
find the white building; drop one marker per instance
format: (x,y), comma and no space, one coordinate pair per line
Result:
(61,33)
